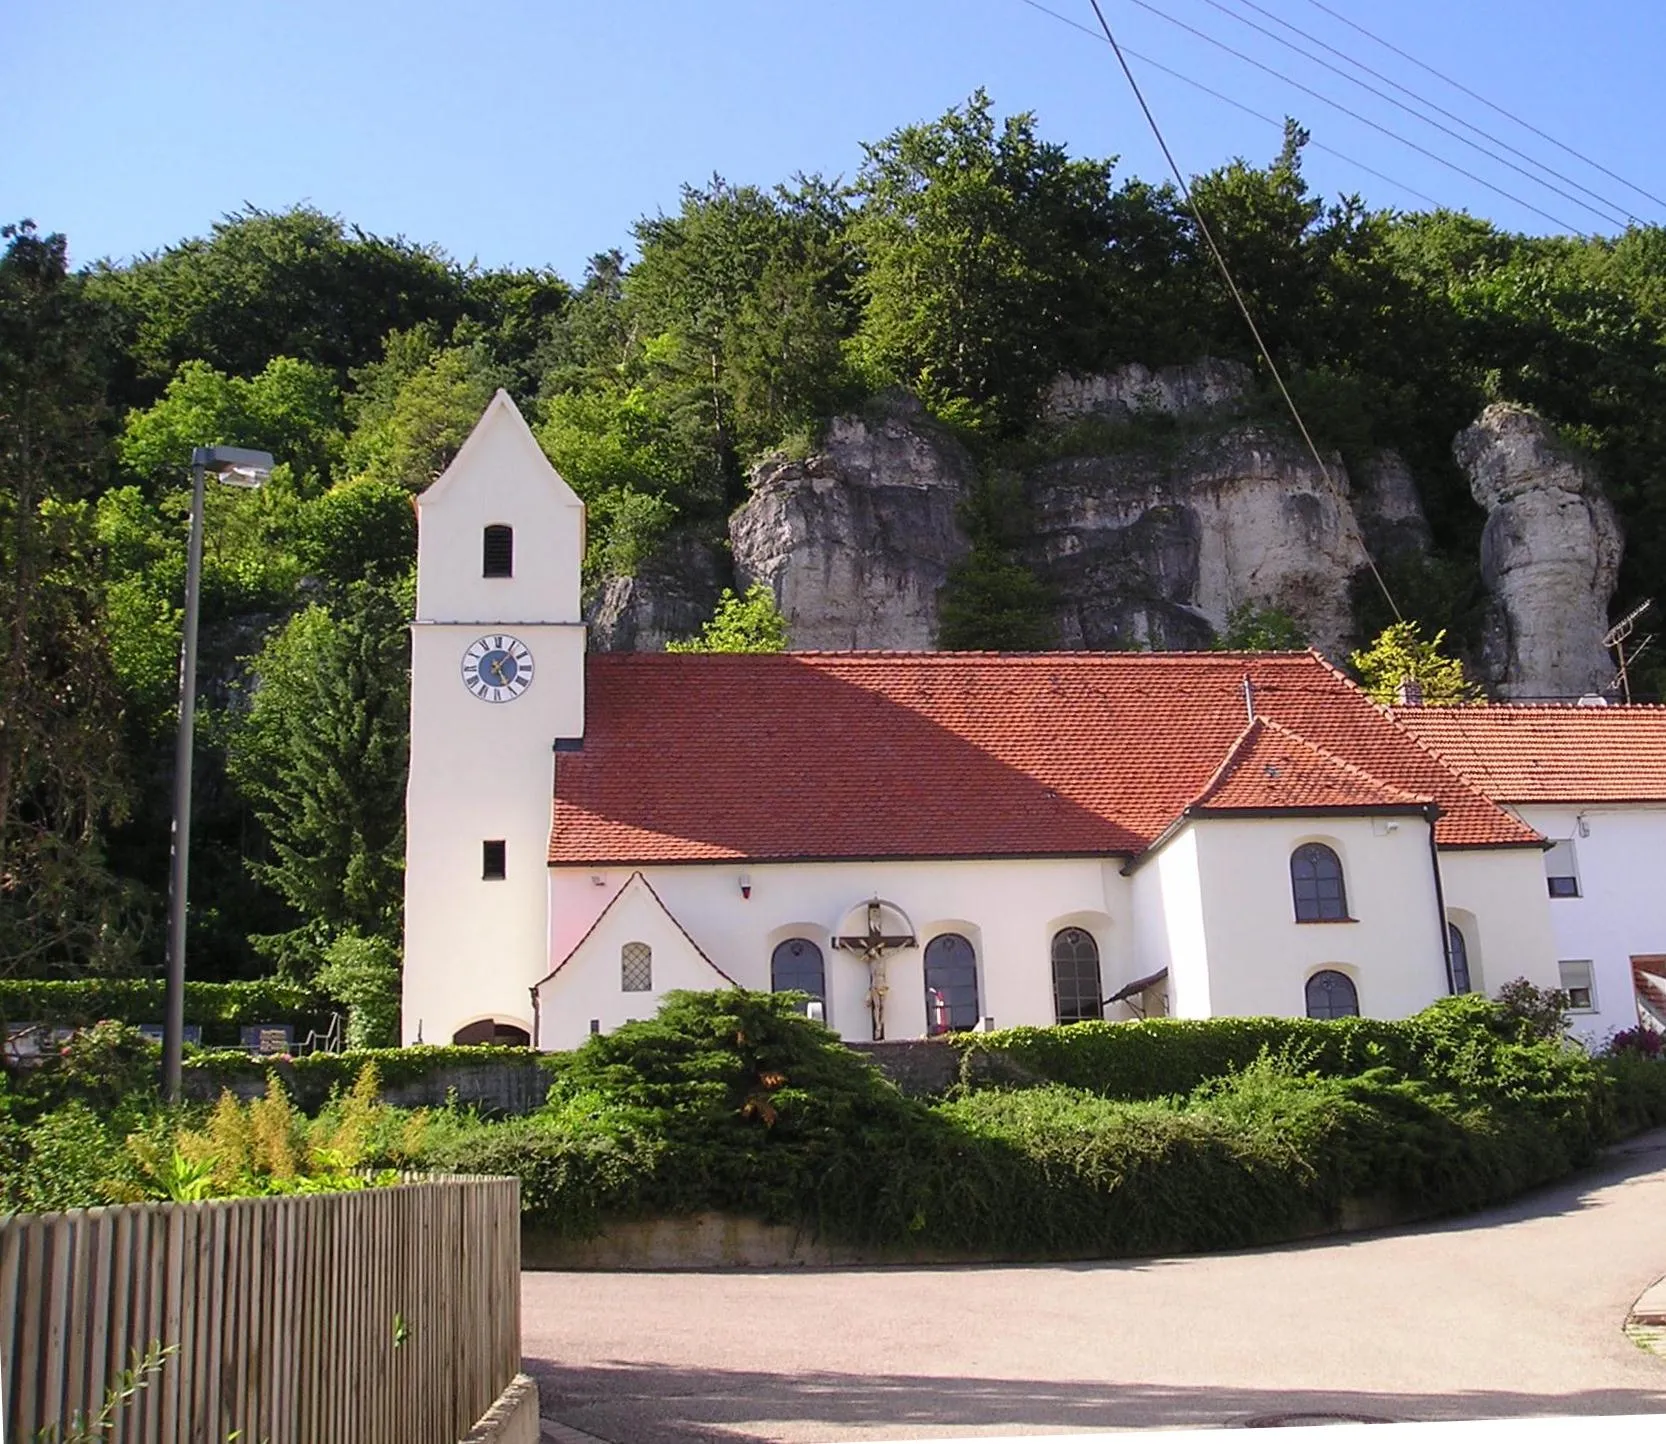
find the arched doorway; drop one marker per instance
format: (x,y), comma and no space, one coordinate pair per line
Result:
(490,1030)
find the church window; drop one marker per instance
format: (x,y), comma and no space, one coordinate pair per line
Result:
(1316,881)
(951,985)
(636,968)
(1562,869)
(796,967)
(1331,994)
(1459,957)
(498,548)
(1076,995)
(494,860)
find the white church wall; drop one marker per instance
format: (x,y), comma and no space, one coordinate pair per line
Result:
(1168,924)
(1260,957)
(1497,896)
(1008,910)
(590,983)
(1620,913)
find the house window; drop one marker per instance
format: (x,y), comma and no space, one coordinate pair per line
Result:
(1076,994)
(951,985)
(1316,882)
(498,552)
(1458,958)
(1580,986)
(1562,869)
(796,967)
(494,860)
(636,968)
(1331,994)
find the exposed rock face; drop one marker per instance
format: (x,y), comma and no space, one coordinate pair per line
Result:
(1550,555)
(1159,549)
(857,540)
(1389,509)
(1204,386)
(670,597)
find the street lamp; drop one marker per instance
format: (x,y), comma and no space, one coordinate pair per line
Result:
(235,466)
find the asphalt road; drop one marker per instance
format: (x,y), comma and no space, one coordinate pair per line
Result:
(1512,1312)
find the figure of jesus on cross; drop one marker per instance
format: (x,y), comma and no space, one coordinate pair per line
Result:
(873,945)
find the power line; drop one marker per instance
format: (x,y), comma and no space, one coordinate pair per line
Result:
(1508,115)
(1354,114)
(1232,286)
(1610,211)
(1274,121)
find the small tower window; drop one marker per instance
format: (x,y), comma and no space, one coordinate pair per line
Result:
(498,552)
(494,860)
(636,968)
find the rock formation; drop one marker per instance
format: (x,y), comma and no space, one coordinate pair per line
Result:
(672,594)
(1390,512)
(1550,555)
(1133,390)
(857,540)
(1156,545)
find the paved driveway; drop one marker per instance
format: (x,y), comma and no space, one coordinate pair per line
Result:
(1512,1312)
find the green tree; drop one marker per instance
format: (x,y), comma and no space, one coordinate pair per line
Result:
(363,974)
(751,623)
(361,529)
(1400,655)
(323,754)
(983,254)
(1250,628)
(992,599)
(62,774)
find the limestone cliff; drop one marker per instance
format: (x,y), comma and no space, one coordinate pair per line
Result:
(672,594)
(1550,555)
(857,540)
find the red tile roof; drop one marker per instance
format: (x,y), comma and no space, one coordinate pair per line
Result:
(1549,754)
(1271,768)
(1651,995)
(869,755)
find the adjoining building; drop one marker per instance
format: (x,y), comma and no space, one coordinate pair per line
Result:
(921,842)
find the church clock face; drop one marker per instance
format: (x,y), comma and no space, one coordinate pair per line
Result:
(497,668)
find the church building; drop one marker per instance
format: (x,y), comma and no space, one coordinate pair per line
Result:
(921,842)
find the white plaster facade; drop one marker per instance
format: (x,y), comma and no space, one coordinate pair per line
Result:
(1619,916)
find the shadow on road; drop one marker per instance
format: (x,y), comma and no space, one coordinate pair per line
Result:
(637,1404)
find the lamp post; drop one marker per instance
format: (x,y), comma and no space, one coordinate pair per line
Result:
(235,466)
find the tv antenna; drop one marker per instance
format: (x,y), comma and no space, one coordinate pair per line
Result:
(1615,640)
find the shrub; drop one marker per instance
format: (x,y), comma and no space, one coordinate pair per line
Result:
(1542,1011)
(1636,1084)
(363,974)
(218,1008)
(1645,1041)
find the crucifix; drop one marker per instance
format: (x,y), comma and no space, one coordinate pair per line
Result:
(873,945)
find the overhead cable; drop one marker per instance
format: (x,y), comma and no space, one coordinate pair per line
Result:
(1323,99)
(1508,115)
(1609,211)
(1232,286)
(1274,121)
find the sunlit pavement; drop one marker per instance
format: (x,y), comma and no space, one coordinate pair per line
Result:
(1517,1311)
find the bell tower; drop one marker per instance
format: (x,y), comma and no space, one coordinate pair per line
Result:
(497,679)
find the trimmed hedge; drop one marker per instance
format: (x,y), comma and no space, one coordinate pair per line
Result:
(220,1009)
(310,1078)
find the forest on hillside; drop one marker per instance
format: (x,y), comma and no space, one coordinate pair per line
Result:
(967,261)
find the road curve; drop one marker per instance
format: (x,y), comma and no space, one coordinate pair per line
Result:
(1516,1311)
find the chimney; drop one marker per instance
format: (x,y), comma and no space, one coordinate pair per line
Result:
(1409,693)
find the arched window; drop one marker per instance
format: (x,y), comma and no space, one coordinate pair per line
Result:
(498,552)
(796,967)
(951,985)
(492,1030)
(1459,958)
(1076,994)
(636,968)
(1316,881)
(1331,994)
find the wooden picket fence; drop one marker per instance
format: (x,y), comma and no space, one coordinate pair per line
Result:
(385,1316)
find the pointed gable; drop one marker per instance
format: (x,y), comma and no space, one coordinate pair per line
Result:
(633,905)
(501,435)
(1271,768)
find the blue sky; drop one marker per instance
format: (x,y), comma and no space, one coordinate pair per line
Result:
(515,132)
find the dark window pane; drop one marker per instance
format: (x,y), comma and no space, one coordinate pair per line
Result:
(494,860)
(498,552)
(1331,995)
(1460,958)
(951,984)
(1564,887)
(1316,884)
(796,967)
(1076,992)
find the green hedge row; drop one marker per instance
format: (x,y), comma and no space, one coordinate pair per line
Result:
(219,1009)
(310,1078)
